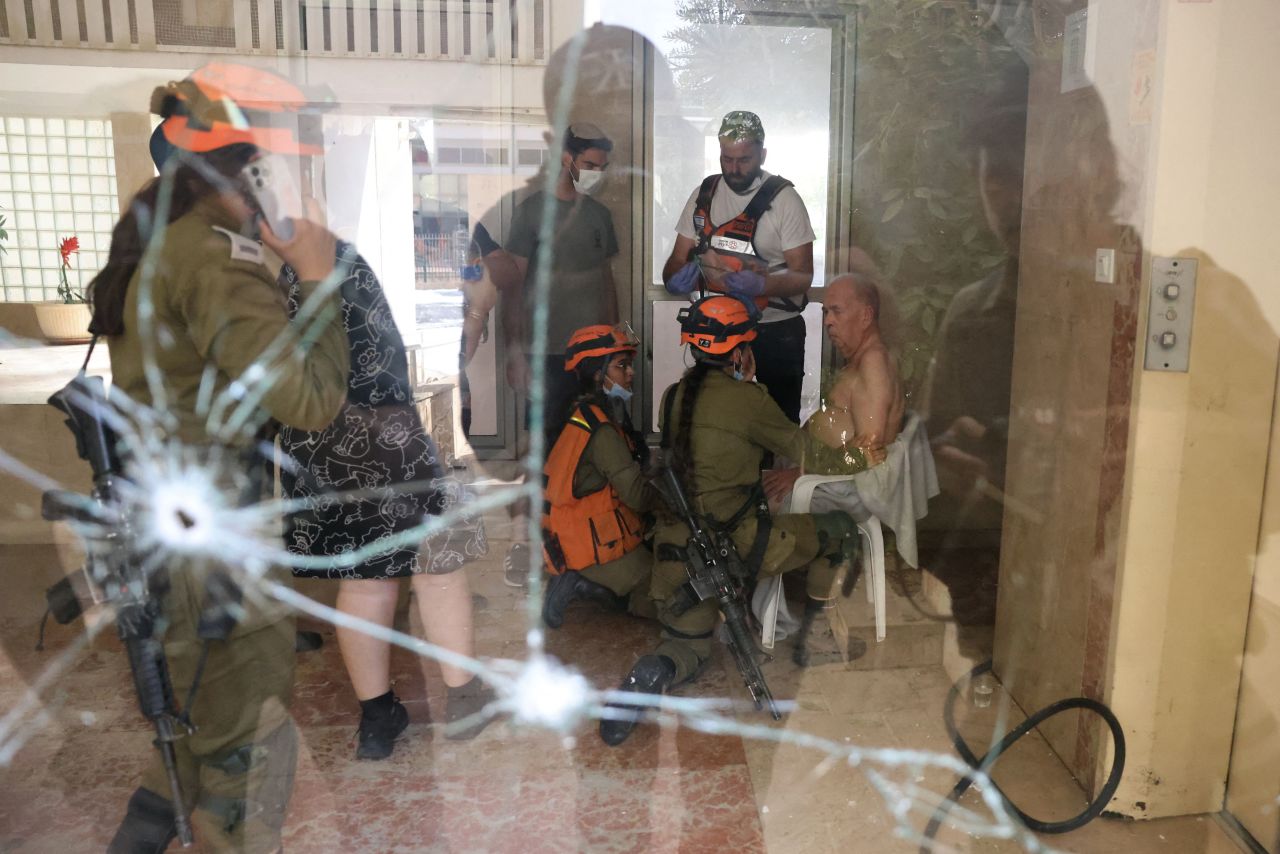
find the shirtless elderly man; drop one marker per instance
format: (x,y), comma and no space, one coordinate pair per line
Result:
(865,406)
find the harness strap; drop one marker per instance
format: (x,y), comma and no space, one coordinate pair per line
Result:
(764,527)
(584,419)
(668,406)
(753,501)
(706,192)
(763,199)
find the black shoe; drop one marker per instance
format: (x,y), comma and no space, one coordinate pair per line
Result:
(307,641)
(569,587)
(149,825)
(465,702)
(378,731)
(653,674)
(515,566)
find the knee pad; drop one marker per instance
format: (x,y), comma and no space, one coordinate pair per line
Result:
(251,785)
(834,528)
(838,536)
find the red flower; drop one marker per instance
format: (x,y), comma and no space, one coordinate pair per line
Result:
(68,247)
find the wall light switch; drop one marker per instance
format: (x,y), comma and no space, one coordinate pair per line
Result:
(1104,266)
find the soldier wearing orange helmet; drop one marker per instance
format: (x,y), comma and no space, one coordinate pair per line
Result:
(717,425)
(597,496)
(219,331)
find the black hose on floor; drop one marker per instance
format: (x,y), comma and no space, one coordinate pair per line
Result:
(984,763)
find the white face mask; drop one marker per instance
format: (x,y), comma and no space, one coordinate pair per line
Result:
(589,181)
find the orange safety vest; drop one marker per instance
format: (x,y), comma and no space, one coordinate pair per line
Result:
(735,240)
(583,530)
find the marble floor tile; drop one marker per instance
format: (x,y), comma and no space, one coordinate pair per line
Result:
(515,789)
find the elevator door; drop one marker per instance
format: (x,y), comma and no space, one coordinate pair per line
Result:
(1253,782)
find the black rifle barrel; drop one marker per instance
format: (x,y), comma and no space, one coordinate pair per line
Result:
(83,401)
(155,699)
(707,567)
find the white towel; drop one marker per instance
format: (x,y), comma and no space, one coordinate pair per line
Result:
(896,492)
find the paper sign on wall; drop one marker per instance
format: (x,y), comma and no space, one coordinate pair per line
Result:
(1142,87)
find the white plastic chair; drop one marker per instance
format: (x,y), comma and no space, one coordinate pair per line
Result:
(872,537)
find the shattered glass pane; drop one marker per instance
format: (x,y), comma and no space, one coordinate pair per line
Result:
(683,425)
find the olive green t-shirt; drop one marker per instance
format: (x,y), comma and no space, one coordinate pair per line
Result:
(583,244)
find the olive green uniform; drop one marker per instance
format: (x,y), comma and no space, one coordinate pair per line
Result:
(215,304)
(734,425)
(608,461)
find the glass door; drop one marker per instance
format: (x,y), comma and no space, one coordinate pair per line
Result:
(704,66)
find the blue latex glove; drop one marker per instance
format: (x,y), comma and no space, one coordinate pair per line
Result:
(744,283)
(685,279)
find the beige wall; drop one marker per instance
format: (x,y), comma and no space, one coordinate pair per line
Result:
(1135,589)
(131,138)
(1201,439)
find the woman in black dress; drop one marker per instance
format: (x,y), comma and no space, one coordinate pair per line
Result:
(377,443)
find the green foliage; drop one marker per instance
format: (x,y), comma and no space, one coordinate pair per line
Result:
(925,68)
(711,59)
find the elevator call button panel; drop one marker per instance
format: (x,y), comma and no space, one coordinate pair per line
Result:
(1169,315)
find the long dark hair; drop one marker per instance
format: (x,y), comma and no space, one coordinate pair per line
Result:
(193,179)
(682,439)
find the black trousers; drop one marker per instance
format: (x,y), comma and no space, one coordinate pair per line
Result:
(558,393)
(779,352)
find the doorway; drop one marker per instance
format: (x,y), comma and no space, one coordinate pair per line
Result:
(700,70)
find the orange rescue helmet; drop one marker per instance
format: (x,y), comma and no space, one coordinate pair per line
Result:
(717,324)
(225,103)
(599,340)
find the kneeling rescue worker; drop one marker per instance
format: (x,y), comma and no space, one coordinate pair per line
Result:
(717,425)
(597,496)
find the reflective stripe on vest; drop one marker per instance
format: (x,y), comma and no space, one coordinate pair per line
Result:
(736,239)
(583,530)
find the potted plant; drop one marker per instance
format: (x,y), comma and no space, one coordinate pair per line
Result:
(65,321)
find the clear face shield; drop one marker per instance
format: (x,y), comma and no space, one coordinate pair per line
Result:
(625,335)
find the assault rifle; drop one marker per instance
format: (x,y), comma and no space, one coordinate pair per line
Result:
(716,571)
(114,576)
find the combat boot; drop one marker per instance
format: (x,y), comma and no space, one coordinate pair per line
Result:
(569,587)
(148,827)
(809,648)
(652,674)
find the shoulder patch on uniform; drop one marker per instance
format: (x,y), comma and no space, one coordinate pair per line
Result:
(242,248)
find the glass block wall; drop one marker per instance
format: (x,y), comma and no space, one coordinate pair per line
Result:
(57,180)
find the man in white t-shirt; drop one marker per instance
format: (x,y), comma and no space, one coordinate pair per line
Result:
(745,232)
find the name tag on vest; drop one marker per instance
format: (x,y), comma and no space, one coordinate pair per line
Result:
(729,244)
